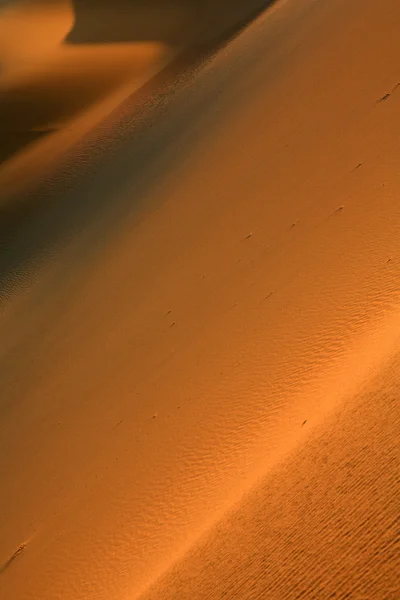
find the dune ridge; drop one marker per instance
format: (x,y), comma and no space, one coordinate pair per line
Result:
(329,399)
(210,337)
(68,63)
(323,524)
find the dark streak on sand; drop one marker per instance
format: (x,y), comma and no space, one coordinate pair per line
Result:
(338,210)
(10,560)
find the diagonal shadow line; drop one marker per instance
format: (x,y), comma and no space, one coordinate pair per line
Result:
(118,152)
(12,142)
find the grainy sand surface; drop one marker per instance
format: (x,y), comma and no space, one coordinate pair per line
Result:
(200,335)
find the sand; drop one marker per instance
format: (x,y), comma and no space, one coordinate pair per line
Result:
(200,366)
(52,91)
(66,64)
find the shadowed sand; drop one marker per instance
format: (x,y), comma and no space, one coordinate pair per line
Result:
(45,83)
(60,59)
(180,23)
(76,89)
(199,377)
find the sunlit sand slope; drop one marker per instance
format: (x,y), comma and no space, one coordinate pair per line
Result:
(199,374)
(323,524)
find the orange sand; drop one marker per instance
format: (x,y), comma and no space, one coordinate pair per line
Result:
(199,385)
(53,92)
(65,64)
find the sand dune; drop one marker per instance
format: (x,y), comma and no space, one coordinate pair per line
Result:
(66,65)
(323,524)
(52,93)
(200,334)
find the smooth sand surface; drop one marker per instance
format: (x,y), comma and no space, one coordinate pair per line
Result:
(200,370)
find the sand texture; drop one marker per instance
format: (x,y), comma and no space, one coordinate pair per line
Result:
(200,329)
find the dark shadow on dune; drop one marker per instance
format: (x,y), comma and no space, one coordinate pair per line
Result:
(174,22)
(54,97)
(31,109)
(104,21)
(12,141)
(133,143)
(14,219)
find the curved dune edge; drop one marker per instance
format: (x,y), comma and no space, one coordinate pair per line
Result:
(176,353)
(322,524)
(36,160)
(208,568)
(59,90)
(56,91)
